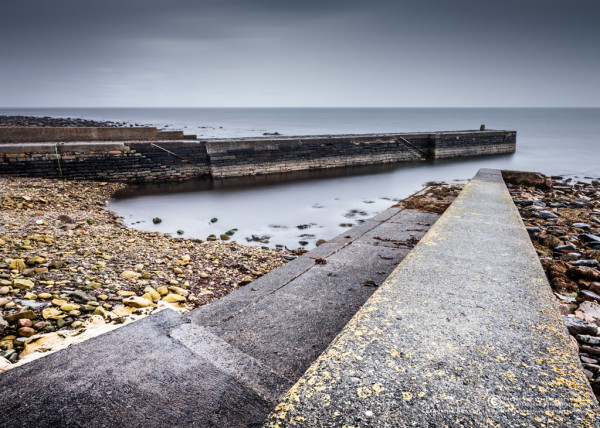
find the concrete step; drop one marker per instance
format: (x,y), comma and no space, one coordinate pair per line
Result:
(246,370)
(137,376)
(288,317)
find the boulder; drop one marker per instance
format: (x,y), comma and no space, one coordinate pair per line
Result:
(587,262)
(13,318)
(557,274)
(151,294)
(595,286)
(137,302)
(547,215)
(551,241)
(588,340)
(566,247)
(66,219)
(531,179)
(589,311)
(179,290)
(36,260)
(53,314)
(17,264)
(174,298)
(46,340)
(588,295)
(588,237)
(129,274)
(67,307)
(578,326)
(100,311)
(25,332)
(583,226)
(584,272)
(24,322)
(23,284)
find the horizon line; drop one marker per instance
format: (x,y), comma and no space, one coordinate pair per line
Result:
(302,107)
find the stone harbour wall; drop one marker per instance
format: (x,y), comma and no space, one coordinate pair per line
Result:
(29,134)
(461,144)
(252,157)
(151,161)
(135,163)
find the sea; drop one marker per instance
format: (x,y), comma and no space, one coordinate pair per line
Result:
(297,209)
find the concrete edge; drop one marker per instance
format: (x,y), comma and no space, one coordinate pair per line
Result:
(327,392)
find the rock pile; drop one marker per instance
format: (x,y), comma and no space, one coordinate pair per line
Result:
(563,221)
(55,121)
(65,260)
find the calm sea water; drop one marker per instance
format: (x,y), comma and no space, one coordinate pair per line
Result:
(552,141)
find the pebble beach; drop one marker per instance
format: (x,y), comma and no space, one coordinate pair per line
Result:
(68,264)
(70,269)
(562,217)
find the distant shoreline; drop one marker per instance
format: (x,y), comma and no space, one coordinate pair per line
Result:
(37,121)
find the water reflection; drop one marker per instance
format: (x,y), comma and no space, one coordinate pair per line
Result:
(290,209)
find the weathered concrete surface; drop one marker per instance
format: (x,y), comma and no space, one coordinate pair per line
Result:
(34,134)
(53,148)
(134,376)
(465,332)
(287,318)
(227,364)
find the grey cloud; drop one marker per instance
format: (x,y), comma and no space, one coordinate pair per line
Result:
(269,52)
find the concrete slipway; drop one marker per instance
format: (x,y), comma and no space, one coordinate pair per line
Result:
(463,332)
(226,364)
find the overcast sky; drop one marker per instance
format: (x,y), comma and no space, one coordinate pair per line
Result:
(188,53)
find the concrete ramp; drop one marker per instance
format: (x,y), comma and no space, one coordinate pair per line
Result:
(464,332)
(227,364)
(147,374)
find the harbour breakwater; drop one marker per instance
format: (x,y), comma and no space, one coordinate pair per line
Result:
(147,155)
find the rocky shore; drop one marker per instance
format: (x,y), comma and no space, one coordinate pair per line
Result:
(56,122)
(67,264)
(562,217)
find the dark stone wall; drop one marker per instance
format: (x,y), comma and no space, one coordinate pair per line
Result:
(133,163)
(264,156)
(460,144)
(253,156)
(27,134)
(182,160)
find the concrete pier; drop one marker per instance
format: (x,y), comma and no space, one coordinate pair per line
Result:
(464,332)
(146,155)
